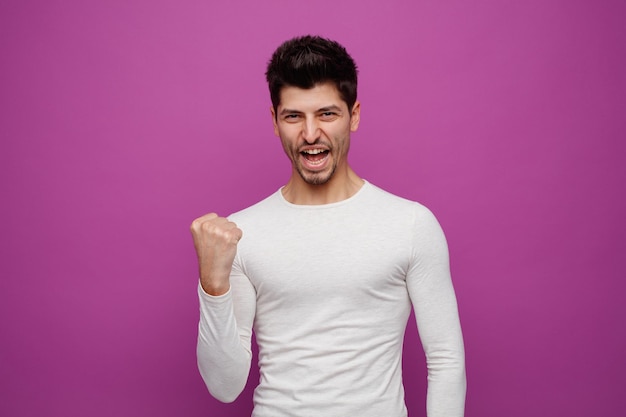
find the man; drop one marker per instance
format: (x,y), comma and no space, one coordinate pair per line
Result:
(326,269)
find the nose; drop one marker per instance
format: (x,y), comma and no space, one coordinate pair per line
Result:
(310,130)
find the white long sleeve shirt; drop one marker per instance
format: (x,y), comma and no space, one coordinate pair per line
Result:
(328,290)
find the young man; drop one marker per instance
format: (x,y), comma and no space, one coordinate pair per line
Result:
(326,269)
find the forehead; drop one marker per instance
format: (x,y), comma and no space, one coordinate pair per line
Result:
(310,99)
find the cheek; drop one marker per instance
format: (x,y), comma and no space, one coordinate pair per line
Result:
(287,134)
(288,145)
(342,136)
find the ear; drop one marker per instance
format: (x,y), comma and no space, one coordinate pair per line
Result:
(274,121)
(355,116)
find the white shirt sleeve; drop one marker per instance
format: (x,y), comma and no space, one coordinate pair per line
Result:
(224,337)
(436,313)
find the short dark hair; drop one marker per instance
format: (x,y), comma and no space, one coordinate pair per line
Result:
(306,61)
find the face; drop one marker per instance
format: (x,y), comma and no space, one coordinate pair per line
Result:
(314,127)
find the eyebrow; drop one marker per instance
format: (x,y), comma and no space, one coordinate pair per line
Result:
(330,108)
(320,110)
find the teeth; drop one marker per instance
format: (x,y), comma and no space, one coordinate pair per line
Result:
(313,151)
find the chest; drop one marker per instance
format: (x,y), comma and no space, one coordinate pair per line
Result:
(317,261)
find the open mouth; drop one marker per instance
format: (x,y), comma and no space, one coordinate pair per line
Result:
(315,156)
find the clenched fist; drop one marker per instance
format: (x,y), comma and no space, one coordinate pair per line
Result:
(215,239)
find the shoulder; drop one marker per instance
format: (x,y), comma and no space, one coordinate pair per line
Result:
(406,216)
(398,205)
(261,208)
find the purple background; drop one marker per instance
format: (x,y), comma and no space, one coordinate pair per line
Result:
(122,121)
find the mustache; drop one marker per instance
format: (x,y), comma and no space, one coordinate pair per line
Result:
(318,143)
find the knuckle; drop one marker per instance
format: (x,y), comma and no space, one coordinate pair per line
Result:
(201,221)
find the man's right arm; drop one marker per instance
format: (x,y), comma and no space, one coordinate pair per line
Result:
(224,339)
(227,308)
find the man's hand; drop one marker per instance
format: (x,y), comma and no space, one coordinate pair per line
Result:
(215,239)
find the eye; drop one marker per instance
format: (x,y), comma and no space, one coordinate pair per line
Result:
(291,117)
(328,115)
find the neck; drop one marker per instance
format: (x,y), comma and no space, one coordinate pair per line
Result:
(338,188)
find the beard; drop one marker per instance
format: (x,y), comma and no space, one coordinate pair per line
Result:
(317,178)
(312,177)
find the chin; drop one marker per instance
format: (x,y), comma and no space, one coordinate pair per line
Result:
(316,179)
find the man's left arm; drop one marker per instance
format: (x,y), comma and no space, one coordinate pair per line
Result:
(434,302)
